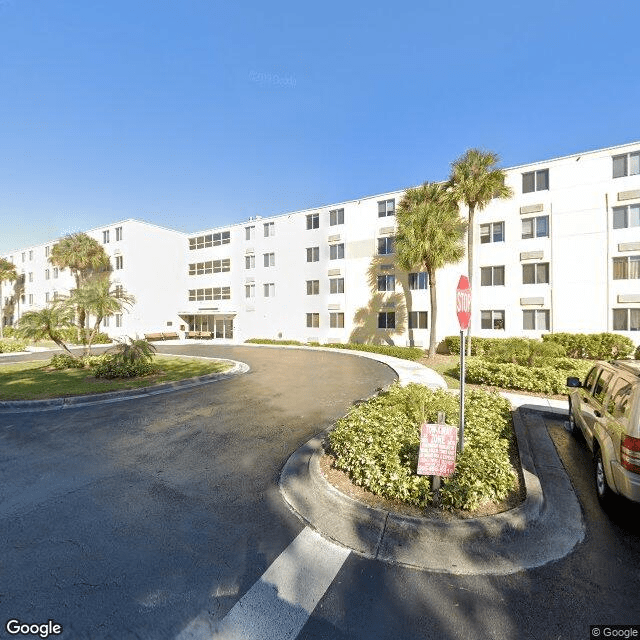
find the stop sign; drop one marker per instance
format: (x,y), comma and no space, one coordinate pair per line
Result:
(463,302)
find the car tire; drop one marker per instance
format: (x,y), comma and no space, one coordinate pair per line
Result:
(603,490)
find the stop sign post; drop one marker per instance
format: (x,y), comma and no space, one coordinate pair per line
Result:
(463,310)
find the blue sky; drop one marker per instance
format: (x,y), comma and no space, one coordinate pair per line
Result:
(198,113)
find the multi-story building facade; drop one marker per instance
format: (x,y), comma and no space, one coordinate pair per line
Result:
(563,254)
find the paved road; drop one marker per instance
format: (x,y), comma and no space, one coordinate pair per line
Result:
(128,520)
(124,526)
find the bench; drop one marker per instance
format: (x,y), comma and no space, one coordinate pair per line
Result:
(153,336)
(170,336)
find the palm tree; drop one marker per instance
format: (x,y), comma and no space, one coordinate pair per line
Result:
(134,350)
(430,235)
(475,180)
(46,323)
(98,299)
(84,256)
(7,272)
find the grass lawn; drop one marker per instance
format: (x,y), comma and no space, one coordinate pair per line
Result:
(35,381)
(446,367)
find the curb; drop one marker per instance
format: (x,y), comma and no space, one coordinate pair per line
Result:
(16,406)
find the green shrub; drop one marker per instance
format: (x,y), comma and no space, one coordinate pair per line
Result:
(479,346)
(113,366)
(637,353)
(65,361)
(551,379)
(524,351)
(69,335)
(377,444)
(406,353)
(593,346)
(9,331)
(12,346)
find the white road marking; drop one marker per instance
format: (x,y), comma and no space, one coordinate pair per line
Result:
(279,604)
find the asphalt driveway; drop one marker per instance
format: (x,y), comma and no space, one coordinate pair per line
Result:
(127,520)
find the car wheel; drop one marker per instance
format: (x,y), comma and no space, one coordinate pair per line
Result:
(602,486)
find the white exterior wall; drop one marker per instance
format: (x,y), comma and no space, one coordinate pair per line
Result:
(580,296)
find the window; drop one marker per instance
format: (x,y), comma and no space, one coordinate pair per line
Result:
(118,319)
(222,266)
(31,298)
(535,227)
(535,181)
(30,254)
(24,256)
(313,221)
(30,277)
(385,246)
(210,293)
(627,164)
(386,208)
(624,217)
(118,234)
(119,263)
(313,320)
(492,232)
(46,297)
(387,320)
(47,274)
(336,217)
(269,259)
(313,254)
(269,229)
(249,290)
(418,281)
(336,320)
(55,272)
(535,319)
(492,276)
(47,252)
(313,287)
(418,320)
(210,240)
(269,290)
(386,283)
(626,268)
(336,251)
(105,237)
(212,266)
(250,262)
(336,285)
(535,273)
(118,291)
(492,319)
(105,321)
(249,233)
(626,319)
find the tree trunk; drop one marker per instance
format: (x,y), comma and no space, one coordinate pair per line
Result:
(472,211)
(434,312)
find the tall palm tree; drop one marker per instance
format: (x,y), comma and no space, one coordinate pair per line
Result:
(7,272)
(46,323)
(98,299)
(430,235)
(475,180)
(84,256)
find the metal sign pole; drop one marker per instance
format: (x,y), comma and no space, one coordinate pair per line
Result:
(462,376)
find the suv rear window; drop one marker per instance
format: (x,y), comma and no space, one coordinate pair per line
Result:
(591,376)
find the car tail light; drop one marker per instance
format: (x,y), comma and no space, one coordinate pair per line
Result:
(630,454)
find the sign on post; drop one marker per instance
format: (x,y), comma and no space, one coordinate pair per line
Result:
(463,302)
(437,456)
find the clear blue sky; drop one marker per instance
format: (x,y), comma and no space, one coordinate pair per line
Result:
(195,113)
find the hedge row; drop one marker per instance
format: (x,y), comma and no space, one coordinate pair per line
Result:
(11,346)
(405,353)
(550,379)
(593,346)
(377,444)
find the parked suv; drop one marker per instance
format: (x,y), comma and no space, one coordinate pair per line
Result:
(606,408)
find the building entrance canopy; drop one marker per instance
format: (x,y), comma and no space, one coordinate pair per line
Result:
(209,325)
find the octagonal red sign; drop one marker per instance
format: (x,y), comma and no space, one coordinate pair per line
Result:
(463,302)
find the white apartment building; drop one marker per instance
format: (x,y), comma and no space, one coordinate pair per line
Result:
(563,254)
